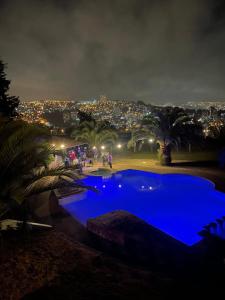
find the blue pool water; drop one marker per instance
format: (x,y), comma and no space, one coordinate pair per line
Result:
(177,204)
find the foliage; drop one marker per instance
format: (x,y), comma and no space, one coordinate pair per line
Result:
(165,125)
(84,117)
(8,104)
(138,136)
(24,159)
(94,133)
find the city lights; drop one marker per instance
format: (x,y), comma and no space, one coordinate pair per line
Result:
(112,110)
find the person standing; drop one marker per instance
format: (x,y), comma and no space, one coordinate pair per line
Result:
(104,159)
(110,160)
(84,157)
(95,153)
(80,165)
(67,162)
(72,156)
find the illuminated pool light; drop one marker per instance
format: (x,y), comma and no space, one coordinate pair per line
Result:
(180,206)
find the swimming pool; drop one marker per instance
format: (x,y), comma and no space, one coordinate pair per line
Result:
(177,204)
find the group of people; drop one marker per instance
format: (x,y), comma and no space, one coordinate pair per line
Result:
(81,157)
(78,157)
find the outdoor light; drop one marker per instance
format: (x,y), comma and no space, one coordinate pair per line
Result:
(94,148)
(62,146)
(151,140)
(119,146)
(102,147)
(53,145)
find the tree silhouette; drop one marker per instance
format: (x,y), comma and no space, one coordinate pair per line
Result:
(84,117)
(8,104)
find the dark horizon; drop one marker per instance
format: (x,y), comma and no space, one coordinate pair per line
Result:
(155,51)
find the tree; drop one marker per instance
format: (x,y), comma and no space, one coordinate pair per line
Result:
(165,125)
(8,104)
(94,133)
(138,136)
(84,117)
(24,159)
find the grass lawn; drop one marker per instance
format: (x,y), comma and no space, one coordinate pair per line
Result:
(186,156)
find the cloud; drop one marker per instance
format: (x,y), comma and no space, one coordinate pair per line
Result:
(153,50)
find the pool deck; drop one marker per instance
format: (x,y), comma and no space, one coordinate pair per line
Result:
(210,171)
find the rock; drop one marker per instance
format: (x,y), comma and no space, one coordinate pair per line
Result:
(135,238)
(115,226)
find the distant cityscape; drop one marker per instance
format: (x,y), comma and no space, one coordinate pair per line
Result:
(122,114)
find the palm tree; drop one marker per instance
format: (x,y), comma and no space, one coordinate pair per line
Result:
(165,125)
(138,136)
(24,159)
(95,134)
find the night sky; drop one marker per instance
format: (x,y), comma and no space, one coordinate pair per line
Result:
(158,51)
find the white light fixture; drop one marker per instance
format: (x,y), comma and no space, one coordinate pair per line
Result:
(151,140)
(102,147)
(62,146)
(119,146)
